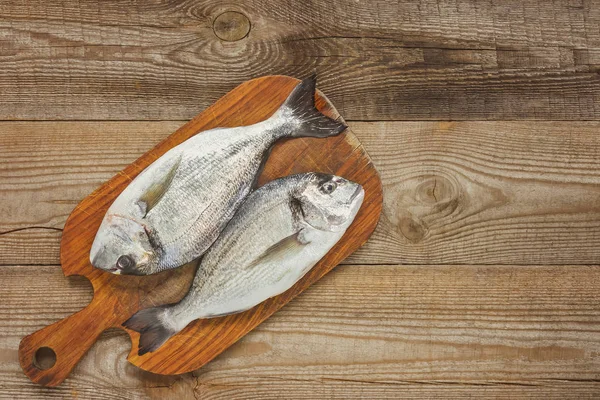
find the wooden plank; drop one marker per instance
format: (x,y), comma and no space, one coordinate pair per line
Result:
(416,60)
(464,192)
(362,331)
(486,193)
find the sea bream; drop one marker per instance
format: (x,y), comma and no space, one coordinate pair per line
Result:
(175,209)
(279,233)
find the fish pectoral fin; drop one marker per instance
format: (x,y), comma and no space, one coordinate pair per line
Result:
(281,250)
(157,189)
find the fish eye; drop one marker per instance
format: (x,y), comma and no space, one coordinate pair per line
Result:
(125,262)
(328,187)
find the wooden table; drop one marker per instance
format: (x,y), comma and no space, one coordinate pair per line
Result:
(482,278)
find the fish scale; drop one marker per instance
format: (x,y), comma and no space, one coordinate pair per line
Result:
(178,227)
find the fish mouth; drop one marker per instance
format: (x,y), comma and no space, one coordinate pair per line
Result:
(114,270)
(94,260)
(359,190)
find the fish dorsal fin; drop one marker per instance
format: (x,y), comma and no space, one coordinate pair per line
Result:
(281,250)
(157,189)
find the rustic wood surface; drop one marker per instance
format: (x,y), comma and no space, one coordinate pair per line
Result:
(377,59)
(455,192)
(88,86)
(361,331)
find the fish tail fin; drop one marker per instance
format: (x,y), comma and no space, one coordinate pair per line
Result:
(300,106)
(152,325)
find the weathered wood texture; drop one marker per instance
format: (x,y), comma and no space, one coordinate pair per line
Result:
(520,193)
(464,192)
(419,59)
(362,331)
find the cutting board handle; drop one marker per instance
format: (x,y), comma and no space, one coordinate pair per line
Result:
(68,340)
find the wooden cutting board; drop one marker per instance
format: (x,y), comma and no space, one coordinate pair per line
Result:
(117,297)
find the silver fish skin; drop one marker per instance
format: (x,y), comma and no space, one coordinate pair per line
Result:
(175,209)
(280,232)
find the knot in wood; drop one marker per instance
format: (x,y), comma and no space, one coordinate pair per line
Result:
(436,190)
(413,228)
(425,200)
(231,26)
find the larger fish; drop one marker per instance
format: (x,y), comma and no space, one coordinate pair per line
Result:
(280,232)
(175,209)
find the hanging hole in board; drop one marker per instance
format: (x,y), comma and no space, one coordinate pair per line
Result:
(44,358)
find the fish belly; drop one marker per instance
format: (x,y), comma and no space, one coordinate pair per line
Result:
(252,287)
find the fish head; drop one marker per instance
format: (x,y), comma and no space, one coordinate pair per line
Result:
(330,202)
(123,246)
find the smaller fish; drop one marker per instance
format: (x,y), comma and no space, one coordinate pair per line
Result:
(278,234)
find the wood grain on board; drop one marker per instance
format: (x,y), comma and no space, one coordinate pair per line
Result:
(361,331)
(460,192)
(376,60)
(117,297)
